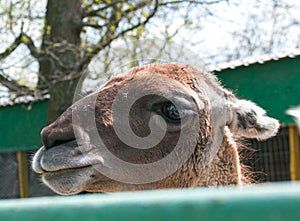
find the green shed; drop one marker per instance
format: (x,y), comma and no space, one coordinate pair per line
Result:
(20,125)
(272,81)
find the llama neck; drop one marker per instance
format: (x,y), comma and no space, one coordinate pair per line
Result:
(225,169)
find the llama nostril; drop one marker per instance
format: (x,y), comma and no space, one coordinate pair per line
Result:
(45,135)
(54,136)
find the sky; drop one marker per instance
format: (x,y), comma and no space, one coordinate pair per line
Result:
(232,17)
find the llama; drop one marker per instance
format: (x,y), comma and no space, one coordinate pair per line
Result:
(155,126)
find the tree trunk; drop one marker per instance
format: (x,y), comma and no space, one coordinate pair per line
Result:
(59,70)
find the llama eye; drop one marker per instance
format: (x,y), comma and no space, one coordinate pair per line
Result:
(170,112)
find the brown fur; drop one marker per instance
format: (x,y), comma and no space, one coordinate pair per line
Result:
(214,161)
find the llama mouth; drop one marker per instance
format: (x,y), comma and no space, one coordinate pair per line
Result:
(69,172)
(63,158)
(72,181)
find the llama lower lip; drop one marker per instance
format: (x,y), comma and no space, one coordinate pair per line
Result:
(68,181)
(72,181)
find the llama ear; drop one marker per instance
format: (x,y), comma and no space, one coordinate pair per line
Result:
(249,120)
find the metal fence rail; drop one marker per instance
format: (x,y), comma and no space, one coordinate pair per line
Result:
(271,158)
(294,152)
(264,202)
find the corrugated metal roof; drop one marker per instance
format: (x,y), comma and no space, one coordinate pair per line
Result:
(254,60)
(22,100)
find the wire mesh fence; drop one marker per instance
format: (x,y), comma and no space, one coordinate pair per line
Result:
(269,161)
(11,183)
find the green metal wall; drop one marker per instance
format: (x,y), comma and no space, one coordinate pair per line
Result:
(274,85)
(20,126)
(268,202)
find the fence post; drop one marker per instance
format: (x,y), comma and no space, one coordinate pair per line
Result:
(294,152)
(23,174)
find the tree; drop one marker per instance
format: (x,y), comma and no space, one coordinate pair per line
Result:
(257,27)
(66,50)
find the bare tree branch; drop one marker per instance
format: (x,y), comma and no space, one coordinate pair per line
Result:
(96,26)
(191,2)
(103,43)
(13,86)
(123,13)
(86,12)
(11,48)
(21,39)
(34,51)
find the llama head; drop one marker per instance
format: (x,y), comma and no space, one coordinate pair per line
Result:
(155,126)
